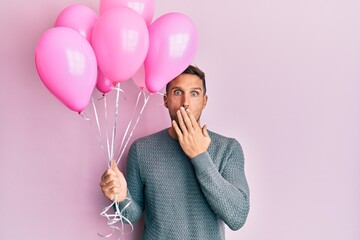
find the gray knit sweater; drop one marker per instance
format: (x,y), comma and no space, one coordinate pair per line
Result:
(186,198)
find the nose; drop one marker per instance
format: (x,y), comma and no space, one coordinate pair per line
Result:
(185,101)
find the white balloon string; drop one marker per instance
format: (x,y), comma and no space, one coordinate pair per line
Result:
(86,118)
(146,99)
(116,217)
(115,120)
(110,234)
(107,132)
(161,94)
(129,124)
(99,135)
(132,117)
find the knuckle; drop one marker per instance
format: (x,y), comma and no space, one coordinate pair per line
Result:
(112,178)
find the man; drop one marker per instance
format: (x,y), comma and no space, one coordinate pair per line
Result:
(188,180)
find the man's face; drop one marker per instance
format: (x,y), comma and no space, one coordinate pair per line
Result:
(185,91)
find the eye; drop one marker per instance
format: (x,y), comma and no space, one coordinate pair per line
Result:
(194,94)
(177,92)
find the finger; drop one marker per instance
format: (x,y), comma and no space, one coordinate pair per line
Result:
(115,168)
(186,119)
(113,164)
(107,173)
(112,193)
(177,129)
(111,185)
(205,131)
(194,123)
(109,178)
(181,122)
(110,196)
(105,187)
(104,175)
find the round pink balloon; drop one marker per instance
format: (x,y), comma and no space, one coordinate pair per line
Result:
(120,41)
(103,84)
(139,78)
(173,45)
(79,18)
(144,7)
(66,64)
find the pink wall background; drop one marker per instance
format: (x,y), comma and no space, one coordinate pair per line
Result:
(283,78)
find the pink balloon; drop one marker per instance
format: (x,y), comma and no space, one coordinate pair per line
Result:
(173,44)
(79,18)
(139,78)
(120,41)
(67,66)
(144,7)
(103,84)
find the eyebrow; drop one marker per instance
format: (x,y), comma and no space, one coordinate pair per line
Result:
(196,88)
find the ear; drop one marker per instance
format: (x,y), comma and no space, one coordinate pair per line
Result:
(205,101)
(165,101)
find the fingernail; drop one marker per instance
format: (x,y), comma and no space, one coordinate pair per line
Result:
(182,108)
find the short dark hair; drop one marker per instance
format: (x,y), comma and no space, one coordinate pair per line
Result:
(194,71)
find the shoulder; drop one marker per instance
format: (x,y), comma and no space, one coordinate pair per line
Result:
(223,144)
(217,138)
(152,139)
(151,146)
(154,136)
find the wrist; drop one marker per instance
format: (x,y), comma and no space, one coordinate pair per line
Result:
(202,162)
(195,154)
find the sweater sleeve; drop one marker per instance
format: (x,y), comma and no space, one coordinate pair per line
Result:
(227,192)
(135,189)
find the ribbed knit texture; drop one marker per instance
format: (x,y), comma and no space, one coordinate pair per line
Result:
(186,198)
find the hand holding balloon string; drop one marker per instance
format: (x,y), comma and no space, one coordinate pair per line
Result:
(114,186)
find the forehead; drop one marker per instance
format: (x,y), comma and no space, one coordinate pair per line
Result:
(186,81)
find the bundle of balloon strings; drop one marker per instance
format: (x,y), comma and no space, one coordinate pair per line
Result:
(117,215)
